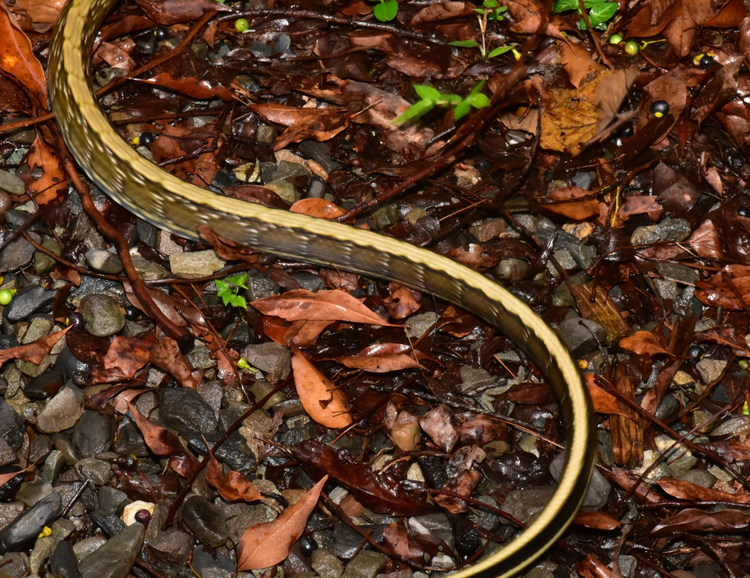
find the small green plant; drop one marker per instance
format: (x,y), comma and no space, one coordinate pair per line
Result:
(491,10)
(385,10)
(430,97)
(229,288)
(599,11)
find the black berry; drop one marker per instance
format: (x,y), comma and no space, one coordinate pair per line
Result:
(131,313)
(659,108)
(743,211)
(76,320)
(706,61)
(129,462)
(147,138)
(626,131)
(161,34)
(695,352)
(307,545)
(143,516)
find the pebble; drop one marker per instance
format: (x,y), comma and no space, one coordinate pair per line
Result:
(11,183)
(115,558)
(45,386)
(42,261)
(366,564)
(580,335)
(172,546)
(209,563)
(525,505)
(102,315)
(326,564)
(27,302)
(205,520)
(476,379)
(599,489)
(11,426)
(9,511)
(272,359)
(184,410)
(94,433)
(61,412)
(103,261)
(196,264)
(5,203)
(63,563)
(23,531)
(97,471)
(149,270)
(16,255)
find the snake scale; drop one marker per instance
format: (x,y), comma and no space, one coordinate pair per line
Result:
(180,208)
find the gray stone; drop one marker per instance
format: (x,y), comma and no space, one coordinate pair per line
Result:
(580,335)
(16,255)
(184,410)
(42,261)
(103,261)
(88,546)
(149,270)
(94,433)
(196,264)
(205,521)
(27,302)
(115,558)
(63,563)
(102,315)
(31,493)
(418,325)
(700,478)
(95,470)
(212,564)
(511,269)
(525,505)
(111,500)
(733,426)
(326,564)
(599,488)
(265,134)
(710,369)
(86,235)
(11,183)
(678,273)
(61,412)
(272,359)
(476,379)
(147,232)
(11,426)
(172,546)
(53,465)
(259,286)
(319,152)
(23,531)
(9,512)
(14,566)
(366,564)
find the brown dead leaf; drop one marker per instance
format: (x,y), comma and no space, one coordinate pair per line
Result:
(382,358)
(124,357)
(644,343)
(268,544)
(323,402)
(528,16)
(671,88)
(319,208)
(462,485)
(190,86)
(159,440)
(405,432)
(597,521)
(578,62)
(17,58)
(443,11)
(573,117)
(717,290)
(38,15)
(694,520)
(438,424)
(724,335)
(687,491)
(303,305)
(233,486)
(166,354)
(402,301)
(168,12)
(33,352)
(603,401)
(52,186)
(320,124)
(397,538)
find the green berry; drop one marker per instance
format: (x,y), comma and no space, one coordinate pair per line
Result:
(615,39)
(631,47)
(243,364)
(242,25)
(659,108)
(6,296)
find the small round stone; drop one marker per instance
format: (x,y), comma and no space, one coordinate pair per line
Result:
(626,131)
(307,545)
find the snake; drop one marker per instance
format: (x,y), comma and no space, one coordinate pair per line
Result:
(180,208)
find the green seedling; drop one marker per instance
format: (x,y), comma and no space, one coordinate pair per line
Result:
(431,97)
(599,11)
(385,10)
(491,10)
(229,288)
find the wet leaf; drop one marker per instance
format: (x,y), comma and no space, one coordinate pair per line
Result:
(268,544)
(405,432)
(33,352)
(200,89)
(382,358)
(322,401)
(694,520)
(168,12)
(319,208)
(233,486)
(124,358)
(644,343)
(402,301)
(597,521)
(303,305)
(166,354)
(463,485)
(438,424)
(686,491)
(17,58)
(397,538)
(52,186)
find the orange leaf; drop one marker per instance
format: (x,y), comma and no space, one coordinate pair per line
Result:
(322,401)
(268,544)
(603,401)
(303,305)
(319,208)
(159,439)
(382,358)
(166,354)
(644,343)
(33,352)
(232,487)
(52,186)
(17,58)
(597,521)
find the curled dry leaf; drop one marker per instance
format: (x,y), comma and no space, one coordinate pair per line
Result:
(695,520)
(190,86)
(269,544)
(124,357)
(397,538)
(319,208)
(303,305)
(687,491)
(166,354)
(462,485)
(322,401)
(233,486)
(405,432)
(706,241)
(382,358)
(33,352)
(402,301)
(438,424)
(602,401)
(644,343)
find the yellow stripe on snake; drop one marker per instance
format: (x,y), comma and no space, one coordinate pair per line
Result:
(180,208)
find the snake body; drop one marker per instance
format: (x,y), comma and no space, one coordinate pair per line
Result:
(180,208)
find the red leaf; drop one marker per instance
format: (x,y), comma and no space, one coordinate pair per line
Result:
(269,544)
(644,343)
(17,58)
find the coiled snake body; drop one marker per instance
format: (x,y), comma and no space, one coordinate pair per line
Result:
(179,207)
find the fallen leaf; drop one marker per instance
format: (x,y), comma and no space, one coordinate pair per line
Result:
(233,486)
(124,357)
(319,208)
(33,352)
(438,424)
(168,12)
(405,432)
(644,343)
(687,491)
(190,86)
(382,358)
(397,538)
(462,485)
(265,545)
(166,354)
(303,305)
(694,520)
(402,302)
(52,186)
(597,521)
(578,62)
(323,401)
(17,58)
